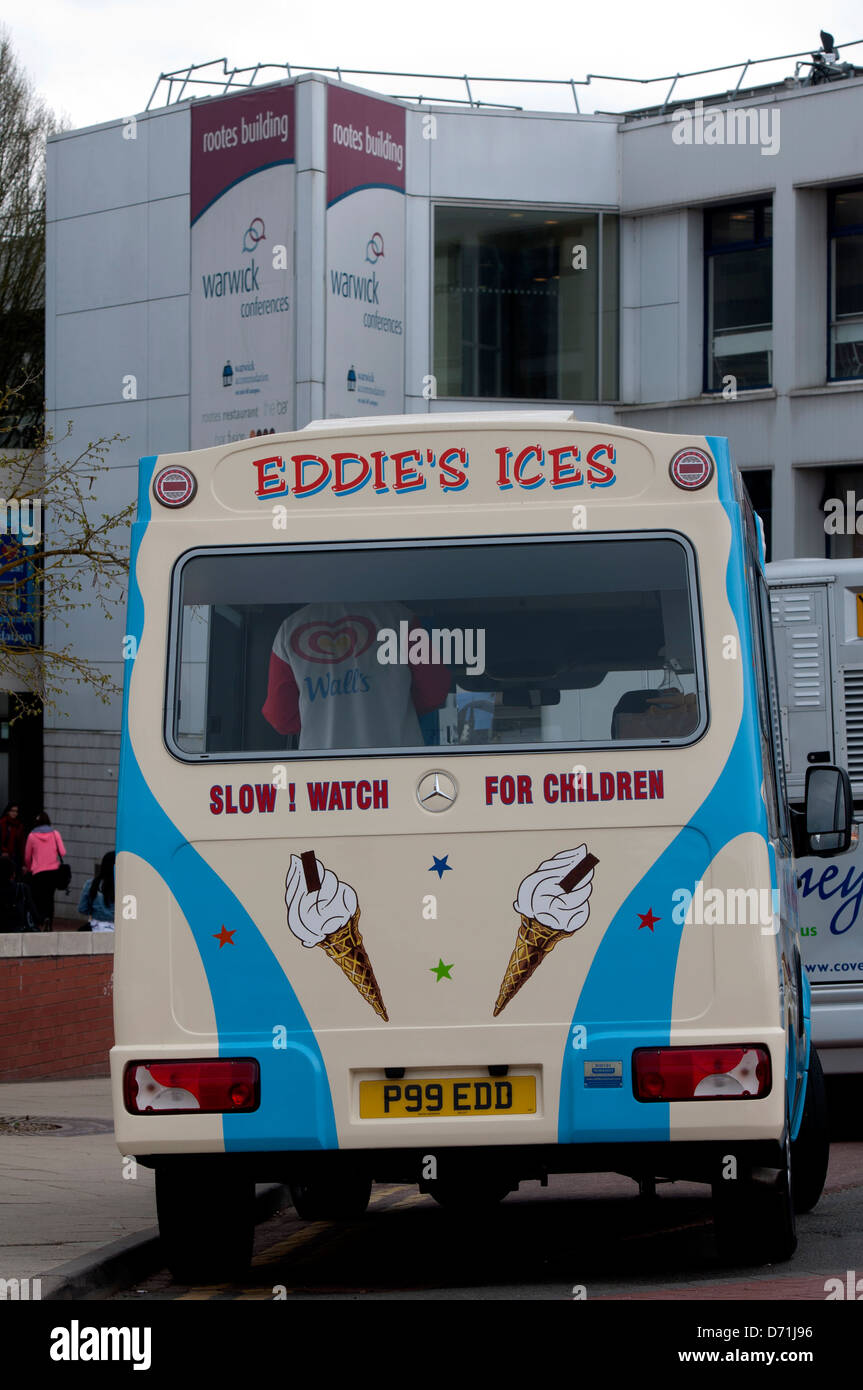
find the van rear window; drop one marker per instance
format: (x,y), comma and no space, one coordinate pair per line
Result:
(546,642)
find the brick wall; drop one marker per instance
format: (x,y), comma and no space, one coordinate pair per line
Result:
(56,1005)
(80,792)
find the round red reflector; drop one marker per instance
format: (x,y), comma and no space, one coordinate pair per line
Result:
(175,486)
(691,469)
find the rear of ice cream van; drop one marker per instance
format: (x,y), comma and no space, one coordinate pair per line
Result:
(451,821)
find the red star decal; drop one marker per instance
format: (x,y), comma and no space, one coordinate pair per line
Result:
(224,938)
(648,919)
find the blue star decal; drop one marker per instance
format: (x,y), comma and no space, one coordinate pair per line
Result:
(440,866)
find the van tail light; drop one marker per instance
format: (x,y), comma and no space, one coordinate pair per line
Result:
(701,1073)
(213,1086)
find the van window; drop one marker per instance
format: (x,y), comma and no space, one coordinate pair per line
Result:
(543,642)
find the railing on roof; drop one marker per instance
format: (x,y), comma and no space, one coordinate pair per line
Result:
(181,82)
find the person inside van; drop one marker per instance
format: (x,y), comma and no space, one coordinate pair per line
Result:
(327,685)
(97,897)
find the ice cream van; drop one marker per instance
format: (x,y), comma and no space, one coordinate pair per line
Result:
(453,840)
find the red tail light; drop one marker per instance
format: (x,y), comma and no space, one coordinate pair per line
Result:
(223,1085)
(701,1073)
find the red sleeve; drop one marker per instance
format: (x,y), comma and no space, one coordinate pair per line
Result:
(60,845)
(429,684)
(281,708)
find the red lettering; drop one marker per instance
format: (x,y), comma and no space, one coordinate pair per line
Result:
(247,799)
(624,786)
(606,786)
(269,483)
(507,789)
(364,796)
(640,782)
(336,803)
(379,458)
(655,784)
(504,455)
(301,462)
(525,791)
(348,789)
(407,478)
(380,794)
(567,787)
(562,473)
(266,795)
(549,787)
(317,795)
(216,802)
(457,474)
(591,794)
(230,808)
(532,451)
(490,790)
(600,474)
(341,487)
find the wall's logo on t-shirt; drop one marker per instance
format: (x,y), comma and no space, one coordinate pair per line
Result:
(333,642)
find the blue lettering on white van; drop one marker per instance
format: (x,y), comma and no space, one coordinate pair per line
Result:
(850,891)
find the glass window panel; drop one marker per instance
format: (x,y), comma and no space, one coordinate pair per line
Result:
(847,209)
(516,303)
(573,642)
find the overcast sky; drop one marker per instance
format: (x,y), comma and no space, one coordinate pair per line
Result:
(98,60)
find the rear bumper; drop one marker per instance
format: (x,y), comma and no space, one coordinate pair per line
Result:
(692,1162)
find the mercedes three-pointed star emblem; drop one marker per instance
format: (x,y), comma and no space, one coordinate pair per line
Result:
(436,791)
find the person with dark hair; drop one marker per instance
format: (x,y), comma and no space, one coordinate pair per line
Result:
(43,854)
(17,908)
(97,898)
(13,836)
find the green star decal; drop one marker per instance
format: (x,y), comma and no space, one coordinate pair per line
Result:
(441,970)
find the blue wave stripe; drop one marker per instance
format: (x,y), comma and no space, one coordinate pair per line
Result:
(250,992)
(626,1000)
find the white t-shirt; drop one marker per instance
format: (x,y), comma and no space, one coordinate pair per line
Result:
(347,699)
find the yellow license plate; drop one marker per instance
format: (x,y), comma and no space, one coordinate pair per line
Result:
(462,1095)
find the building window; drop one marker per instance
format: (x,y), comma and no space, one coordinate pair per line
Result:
(526,303)
(759,485)
(846,284)
(738,245)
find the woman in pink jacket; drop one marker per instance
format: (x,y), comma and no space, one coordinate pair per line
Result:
(42,855)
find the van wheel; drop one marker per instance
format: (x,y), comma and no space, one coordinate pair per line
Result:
(754,1222)
(206,1224)
(466,1197)
(810,1152)
(331,1199)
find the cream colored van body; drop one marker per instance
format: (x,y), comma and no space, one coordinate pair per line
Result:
(207,964)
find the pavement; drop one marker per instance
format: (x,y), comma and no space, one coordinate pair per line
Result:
(63,1195)
(77,1216)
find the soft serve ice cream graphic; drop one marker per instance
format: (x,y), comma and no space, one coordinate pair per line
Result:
(323,911)
(553,903)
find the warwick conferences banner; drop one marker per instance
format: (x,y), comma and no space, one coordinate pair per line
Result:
(365,371)
(242,216)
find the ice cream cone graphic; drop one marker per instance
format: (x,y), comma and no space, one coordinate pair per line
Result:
(553,903)
(324,912)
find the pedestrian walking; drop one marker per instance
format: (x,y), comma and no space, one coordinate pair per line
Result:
(13,836)
(17,908)
(43,855)
(97,898)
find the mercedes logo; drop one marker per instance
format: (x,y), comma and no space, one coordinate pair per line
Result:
(436,791)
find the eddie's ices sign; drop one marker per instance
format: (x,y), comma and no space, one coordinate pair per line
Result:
(410,470)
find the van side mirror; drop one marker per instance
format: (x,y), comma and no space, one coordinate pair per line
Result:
(829,811)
